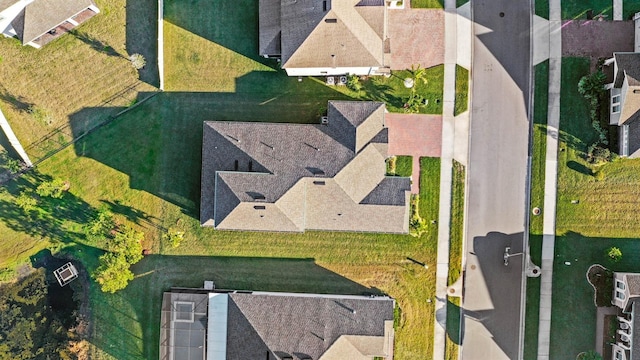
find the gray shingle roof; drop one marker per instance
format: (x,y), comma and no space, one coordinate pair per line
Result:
(628,64)
(292,177)
(635,336)
(633,282)
(42,15)
(323,33)
(299,326)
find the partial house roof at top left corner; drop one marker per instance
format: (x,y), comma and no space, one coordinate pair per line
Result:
(42,15)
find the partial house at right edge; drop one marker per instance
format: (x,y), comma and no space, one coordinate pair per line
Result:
(624,109)
(626,296)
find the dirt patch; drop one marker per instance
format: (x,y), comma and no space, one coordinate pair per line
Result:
(596,39)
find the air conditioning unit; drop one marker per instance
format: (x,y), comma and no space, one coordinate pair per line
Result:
(324,120)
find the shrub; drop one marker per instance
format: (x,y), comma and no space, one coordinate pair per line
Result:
(597,154)
(138,61)
(53,189)
(614,254)
(128,243)
(353,83)
(9,163)
(592,85)
(174,236)
(417,225)
(26,202)
(589,355)
(102,224)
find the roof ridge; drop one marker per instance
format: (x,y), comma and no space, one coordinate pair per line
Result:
(356,26)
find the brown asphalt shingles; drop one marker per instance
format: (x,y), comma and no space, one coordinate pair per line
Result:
(417,37)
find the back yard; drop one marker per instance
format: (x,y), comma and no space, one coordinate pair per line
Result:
(144,166)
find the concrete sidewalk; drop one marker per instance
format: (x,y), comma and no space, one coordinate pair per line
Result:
(454,145)
(550,180)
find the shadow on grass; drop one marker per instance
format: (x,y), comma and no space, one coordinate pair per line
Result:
(158,144)
(129,321)
(142,35)
(96,44)
(453,322)
(51,218)
(574,254)
(581,168)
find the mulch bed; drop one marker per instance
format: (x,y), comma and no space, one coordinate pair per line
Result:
(601,279)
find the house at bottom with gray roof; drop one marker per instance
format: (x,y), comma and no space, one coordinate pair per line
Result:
(293,177)
(38,22)
(198,324)
(626,296)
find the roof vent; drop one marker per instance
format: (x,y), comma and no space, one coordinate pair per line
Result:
(325,120)
(331,21)
(259,207)
(636,91)
(318,183)
(256,196)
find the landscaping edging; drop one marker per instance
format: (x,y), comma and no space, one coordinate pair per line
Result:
(595,289)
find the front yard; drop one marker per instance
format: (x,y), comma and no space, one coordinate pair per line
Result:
(594,212)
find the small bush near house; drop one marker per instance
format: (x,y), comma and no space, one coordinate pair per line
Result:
(138,61)
(174,236)
(353,83)
(417,225)
(589,355)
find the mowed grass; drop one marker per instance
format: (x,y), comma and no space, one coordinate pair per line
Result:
(584,230)
(75,71)
(455,258)
(577,9)
(462,90)
(404,165)
(427,4)
(542,8)
(541,95)
(573,312)
(430,195)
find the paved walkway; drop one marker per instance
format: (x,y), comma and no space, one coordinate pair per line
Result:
(550,178)
(448,142)
(416,135)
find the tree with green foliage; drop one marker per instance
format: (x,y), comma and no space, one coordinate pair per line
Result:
(127,243)
(26,201)
(353,83)
(592,85)
(613,254)
(102,224)
(9,163)
(419,74)
(113,273)
(54,188)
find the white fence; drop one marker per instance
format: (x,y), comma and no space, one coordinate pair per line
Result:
(4,124)
(161,43)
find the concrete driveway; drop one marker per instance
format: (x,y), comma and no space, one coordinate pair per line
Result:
(416,135)
(417,37)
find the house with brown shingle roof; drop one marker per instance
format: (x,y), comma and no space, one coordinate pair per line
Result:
(626,296)
(38,22)
(293,177)
(325,37)
(233,325)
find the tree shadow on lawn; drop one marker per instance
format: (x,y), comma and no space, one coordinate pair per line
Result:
(159,143)
(573,311)
(118,316)
(52,218)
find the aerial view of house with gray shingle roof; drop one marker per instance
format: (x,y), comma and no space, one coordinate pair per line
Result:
(294,177)
(325,37)
(37,22)
(230,325)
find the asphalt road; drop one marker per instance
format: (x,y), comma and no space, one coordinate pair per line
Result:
(497,172)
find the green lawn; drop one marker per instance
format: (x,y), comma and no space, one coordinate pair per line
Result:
(145,167)
(404,165)
(461,2)
(541,94)
(601,218)
(542,8)
(85,69)
(427,4)
(577,9)
(629,8)
(455,258)
(462,90)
